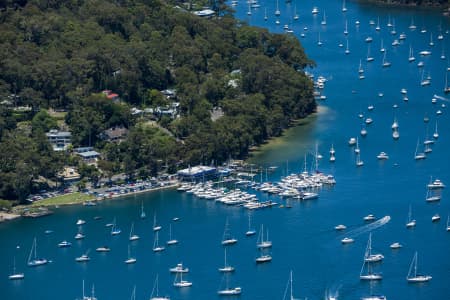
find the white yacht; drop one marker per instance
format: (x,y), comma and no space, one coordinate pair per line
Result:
(435,218)
(340,227)
(352,141)
(382,156)
(83,258)
(179,269)
(369,217)
(347,240)
(436,184)
(370,257)
(395,245)
(230,291)
(411,222)
(64,244)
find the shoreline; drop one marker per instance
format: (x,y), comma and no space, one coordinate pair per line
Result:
(4,216)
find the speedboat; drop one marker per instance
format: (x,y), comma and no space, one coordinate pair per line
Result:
(64,244)
(347,240)
(233,291)
(83,258)
(103,249)
(340,227)
(369,217)
(396,245)
(435,218)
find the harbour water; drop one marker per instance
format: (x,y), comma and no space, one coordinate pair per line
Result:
(304,239)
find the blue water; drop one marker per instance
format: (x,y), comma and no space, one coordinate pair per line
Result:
(303,237)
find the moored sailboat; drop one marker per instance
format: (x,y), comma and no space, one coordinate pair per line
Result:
(33,260)
(412,276)
(15,275)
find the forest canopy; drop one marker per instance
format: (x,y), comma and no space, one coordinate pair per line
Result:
(61,56)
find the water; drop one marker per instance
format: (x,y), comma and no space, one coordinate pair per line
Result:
(303,237)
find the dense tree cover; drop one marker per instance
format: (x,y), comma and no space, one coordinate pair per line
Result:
(62,54)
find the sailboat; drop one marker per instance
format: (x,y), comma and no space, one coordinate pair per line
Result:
(133,236)
(263,243)
(377,28)
(83,258)
(411,57)
(143,215)
(324,19)
(15,275)
(114,229)
(156,227)
(448,223)
(319,42)
(179,282)
(359,162)
(226,267)
(250,230)
(419,155)
(412,276)
(171,240)
(369,275)
(386,63)
(296,17)
(346,28)
(155,291)
(79,235)
(369,256)
(265,14)
(411,222)
(289,287)
(227,238)
(156,246)
(344,8)
(446,87)
(347,50)
(382,49)
(277,11)
(263,256)
(130,259)
(229,291)
(33,260)
(92,296)
(369,57)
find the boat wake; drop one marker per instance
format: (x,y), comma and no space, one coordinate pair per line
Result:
(441,98)
(369,227)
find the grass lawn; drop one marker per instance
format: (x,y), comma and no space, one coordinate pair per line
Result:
(64,199)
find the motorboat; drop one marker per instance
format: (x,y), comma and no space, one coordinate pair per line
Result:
(396,245)
(64,244)
(340,227)
(347,240)
(382,156)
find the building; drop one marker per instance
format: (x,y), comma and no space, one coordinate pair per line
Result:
(89,157)
(60,140)
(69,175)
(114,134)
(197,173)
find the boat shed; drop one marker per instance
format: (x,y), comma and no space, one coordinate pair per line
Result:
(197,173)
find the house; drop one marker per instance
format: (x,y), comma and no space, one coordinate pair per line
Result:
(114,134)
(89,157)
(60,140)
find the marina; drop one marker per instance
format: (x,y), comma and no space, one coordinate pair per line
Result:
(320,256)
